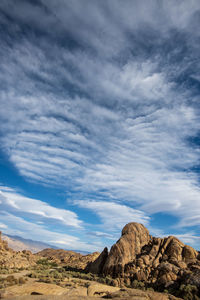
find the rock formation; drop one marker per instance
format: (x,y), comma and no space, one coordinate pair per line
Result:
(70,259)
(134,237)
(10,259)
(98,264)
(3,244)
(95,291)
(159,262)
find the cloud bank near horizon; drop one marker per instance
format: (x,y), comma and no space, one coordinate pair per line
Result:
(102,100)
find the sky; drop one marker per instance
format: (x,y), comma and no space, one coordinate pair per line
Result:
(99,120)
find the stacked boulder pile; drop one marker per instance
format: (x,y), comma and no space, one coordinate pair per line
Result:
(10,259)
(160,263)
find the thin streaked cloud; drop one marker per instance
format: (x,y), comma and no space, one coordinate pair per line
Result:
(101,101)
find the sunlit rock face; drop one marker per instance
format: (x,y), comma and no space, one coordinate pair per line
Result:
(10,259)
(134,237)
(155,261)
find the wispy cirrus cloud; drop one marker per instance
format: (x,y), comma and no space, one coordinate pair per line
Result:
(108,110)
(189,238)
(113,216)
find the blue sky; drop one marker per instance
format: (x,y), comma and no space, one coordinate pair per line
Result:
(99,119)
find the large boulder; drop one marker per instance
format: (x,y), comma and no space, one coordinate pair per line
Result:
(134,237)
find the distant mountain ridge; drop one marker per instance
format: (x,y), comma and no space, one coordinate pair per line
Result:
(19,244)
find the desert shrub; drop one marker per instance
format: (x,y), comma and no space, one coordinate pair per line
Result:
(188,292)
(15,270)
(48,275)
(138,285)
(53,264)
(55,274)
(152,290)
(8,281)
(85,276)
(102,280)
(2,282)
(11,279)
(43,261)
(4,271)
(22,280)
(109,280)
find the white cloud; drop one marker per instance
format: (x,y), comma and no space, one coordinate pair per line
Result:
(26,229)
(189,238)
(39,210)
(3,226)
(100,234)
(112,117)
(131,150)
(114,216)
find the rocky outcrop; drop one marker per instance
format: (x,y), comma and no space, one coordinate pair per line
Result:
(3,244)
(158,262)
(47,291)
(101,289)
(69,259)
(134,237)
(32,288)
(10,259)
(136,294)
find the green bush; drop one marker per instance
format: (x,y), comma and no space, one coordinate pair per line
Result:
(55,274)
(152,290)
(4,271)
(189,292)
(43,261)
(10,280)
(138,285)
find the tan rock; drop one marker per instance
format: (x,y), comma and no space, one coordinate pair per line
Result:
(167,277)
(189,254)
(70,258)
(134,294)
(173,248)
(134,237)
(98,264)
(78,291)
(36,288)
(101,289)
(157,261)
(11,259)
